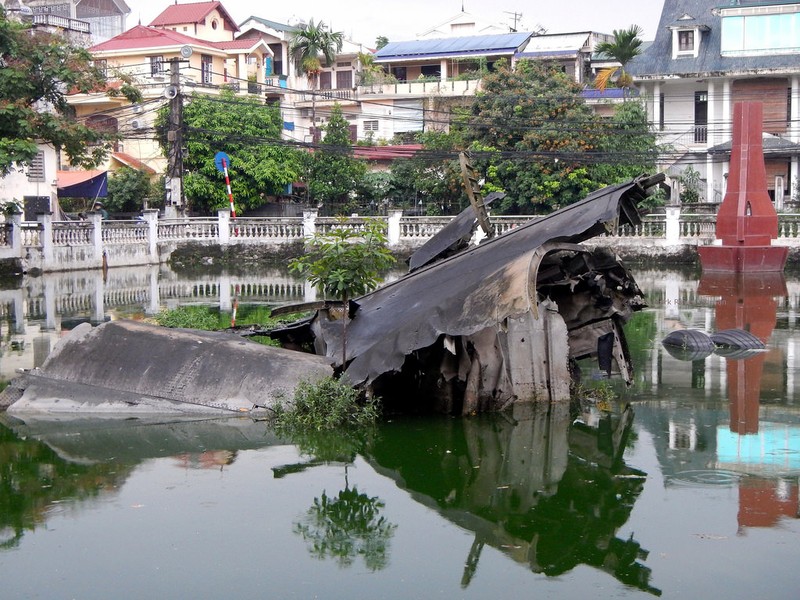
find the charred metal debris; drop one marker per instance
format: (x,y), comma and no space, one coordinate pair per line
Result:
(478,328)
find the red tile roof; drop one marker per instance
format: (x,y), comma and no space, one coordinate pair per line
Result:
(148,37)
(132,162)
(194,12)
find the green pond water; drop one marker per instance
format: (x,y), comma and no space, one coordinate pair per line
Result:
(698,498)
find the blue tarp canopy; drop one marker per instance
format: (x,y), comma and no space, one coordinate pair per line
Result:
(82,184)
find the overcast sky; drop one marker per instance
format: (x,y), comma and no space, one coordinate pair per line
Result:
(401,20)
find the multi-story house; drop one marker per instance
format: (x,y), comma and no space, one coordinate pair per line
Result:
(35,186)
(188,48)
(708,55)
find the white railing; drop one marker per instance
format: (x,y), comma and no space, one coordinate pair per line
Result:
(56,246)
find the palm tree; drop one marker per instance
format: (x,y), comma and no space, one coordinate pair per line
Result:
(308,43)
(626,45)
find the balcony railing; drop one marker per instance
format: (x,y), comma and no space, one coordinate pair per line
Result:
(49,20)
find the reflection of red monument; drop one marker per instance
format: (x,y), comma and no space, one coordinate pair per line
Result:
(747,222)
(746,301)
(763,502)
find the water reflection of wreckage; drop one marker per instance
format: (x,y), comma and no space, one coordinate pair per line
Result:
(496,323)
(546,492)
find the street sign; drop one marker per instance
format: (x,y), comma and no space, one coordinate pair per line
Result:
(218,158)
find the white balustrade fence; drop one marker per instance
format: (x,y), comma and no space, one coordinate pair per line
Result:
(62,246)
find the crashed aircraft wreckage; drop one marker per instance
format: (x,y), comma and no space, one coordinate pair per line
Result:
(502,322)
(477,330)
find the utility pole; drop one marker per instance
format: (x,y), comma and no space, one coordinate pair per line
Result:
(516,16)
(174,182)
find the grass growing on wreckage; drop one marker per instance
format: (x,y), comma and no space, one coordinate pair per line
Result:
(328,404)
(211,319)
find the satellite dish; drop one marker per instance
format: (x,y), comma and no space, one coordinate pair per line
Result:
(186,51)
(170,92)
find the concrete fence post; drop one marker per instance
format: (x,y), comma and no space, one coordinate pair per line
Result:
(151,218)
(46,224)
(673,225)
(310,223)
(393,233)
(224,215)
(96,220)
(16,234)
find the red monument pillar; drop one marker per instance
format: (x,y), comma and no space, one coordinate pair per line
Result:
(747,222)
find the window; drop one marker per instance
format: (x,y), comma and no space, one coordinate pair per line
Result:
(686,41)
(156,65)
(700,117)
(344,80)
(36,168)
(325,80)
(102,65)
(746,33)
(205,68)
(431,70)
(371,125)
(661,113)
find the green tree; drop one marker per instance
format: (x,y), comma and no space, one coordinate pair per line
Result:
(628,147)
(345,263)
(535,132)
(381,41)
(626,45)
(127,189)
(38,70)
(333,174)
(249,132)
(309,42)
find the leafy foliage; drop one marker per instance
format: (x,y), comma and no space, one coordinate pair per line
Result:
(328,404)
(39,69)
(240,127)
(346,262)
(423,180)
(691,183)
(535,139)
(127,189)
(333,174)
(537,110)
(629,145)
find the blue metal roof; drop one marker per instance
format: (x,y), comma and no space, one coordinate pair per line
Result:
(506,43)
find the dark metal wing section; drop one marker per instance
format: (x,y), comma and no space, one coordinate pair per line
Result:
(470,291)
(453,237)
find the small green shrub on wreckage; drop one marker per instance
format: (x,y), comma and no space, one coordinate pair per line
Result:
(328,404)
(346,262)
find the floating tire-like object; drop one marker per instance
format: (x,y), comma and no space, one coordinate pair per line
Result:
(688,344)
(736,344)
(738,339)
